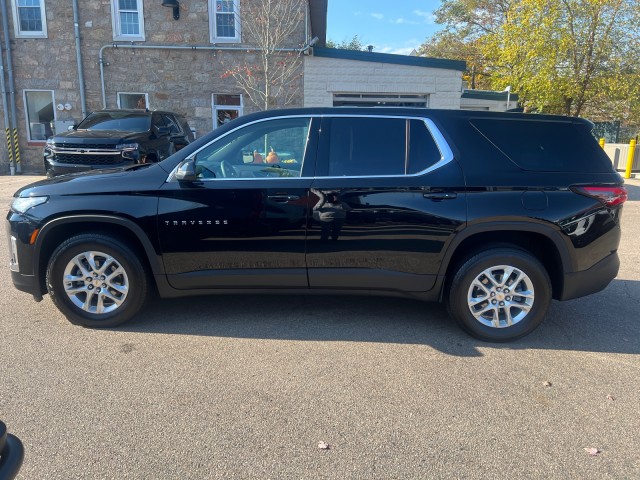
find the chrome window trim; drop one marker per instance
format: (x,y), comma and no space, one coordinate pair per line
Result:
(446,154)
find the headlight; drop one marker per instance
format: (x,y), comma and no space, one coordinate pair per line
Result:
(127,146)
(22,204)
(50,142)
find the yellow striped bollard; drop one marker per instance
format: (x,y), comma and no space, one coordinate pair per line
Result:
(16,147)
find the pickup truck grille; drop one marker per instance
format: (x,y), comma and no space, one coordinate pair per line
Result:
(85,146)
(87,159)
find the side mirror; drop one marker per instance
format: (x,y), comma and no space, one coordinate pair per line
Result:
(186,171)
(163,131)
(72,127)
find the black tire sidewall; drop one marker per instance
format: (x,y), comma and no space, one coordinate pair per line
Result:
(136,276)
(457,299)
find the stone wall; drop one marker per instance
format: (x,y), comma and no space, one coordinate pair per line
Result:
(177,80)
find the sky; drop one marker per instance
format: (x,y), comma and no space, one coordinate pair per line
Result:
(391,26)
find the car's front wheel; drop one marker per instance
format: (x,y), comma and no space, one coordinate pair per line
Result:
(500,294)
(96,281)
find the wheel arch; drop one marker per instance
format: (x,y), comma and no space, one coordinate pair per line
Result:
(56,231)
(543,242)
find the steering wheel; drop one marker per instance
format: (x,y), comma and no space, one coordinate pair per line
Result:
(228,170)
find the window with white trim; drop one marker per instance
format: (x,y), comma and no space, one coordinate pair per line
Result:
(41,114)
(224,21)
(128,20)
(133,100)
(29,18)
(380,100)
(225,108)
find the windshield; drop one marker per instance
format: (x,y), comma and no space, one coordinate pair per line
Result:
(125,121)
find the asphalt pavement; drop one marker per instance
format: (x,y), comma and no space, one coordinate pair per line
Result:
(247,386)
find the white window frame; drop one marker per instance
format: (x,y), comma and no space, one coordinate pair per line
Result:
(212,24)
(117,29)
(215,108)
(28,33)
(26,111)
(369,99)
(139,94)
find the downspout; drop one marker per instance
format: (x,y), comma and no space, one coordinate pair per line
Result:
(5,111)
(12,90)
(76,31)
(182,47)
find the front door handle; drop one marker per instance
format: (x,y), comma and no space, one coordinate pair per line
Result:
(283,198)
(440,195)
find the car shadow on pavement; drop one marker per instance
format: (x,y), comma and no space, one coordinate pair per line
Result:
(603,322)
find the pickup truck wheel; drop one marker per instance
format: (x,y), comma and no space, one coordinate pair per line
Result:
(500,294)
(96,281)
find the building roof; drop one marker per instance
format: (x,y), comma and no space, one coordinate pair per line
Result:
(489,95)
(318,15)
(389,58)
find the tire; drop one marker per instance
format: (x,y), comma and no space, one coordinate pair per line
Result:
(481,296)
(89,303)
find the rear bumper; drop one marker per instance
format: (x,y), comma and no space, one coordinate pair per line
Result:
(592,280)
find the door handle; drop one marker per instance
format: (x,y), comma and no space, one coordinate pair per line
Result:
(283,198)
(440,196)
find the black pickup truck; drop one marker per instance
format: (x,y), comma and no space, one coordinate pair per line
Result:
(116,138)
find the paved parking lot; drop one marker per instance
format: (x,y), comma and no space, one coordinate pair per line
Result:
(247,386)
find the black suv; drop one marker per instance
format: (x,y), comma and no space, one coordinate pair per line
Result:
(116,138)
(494,213)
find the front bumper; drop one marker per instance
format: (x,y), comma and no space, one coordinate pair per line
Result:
(22,255)
(592,280)
(27,283)
(54,169)
(61,160)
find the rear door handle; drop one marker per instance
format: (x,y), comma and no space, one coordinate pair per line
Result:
(440,195)
(283,198)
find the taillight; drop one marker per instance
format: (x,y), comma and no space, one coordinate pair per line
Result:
(610,196)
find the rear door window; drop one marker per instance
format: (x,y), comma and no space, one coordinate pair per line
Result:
(378,146)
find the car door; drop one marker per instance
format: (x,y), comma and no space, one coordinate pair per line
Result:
(242,224)
(158,145)
(386,199)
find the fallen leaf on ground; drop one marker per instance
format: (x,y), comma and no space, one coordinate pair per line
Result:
(611,397)
(323,445)
(592,450)
(547,384)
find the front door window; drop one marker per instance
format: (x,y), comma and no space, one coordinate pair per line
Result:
(273,148)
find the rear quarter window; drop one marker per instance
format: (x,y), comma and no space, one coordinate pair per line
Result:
(545,146)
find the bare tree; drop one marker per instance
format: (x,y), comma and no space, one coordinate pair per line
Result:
(271,70)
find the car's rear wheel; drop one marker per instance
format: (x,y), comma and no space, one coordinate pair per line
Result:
(500,294)
(96,281)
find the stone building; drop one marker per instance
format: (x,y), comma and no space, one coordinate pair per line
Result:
(140,54)
(134,53)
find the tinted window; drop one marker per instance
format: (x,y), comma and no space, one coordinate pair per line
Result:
(545,146)
(367,146)
(378,146)
(125,121)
